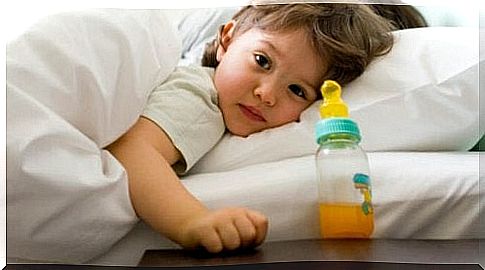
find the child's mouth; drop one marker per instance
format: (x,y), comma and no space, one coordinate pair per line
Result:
(252,113)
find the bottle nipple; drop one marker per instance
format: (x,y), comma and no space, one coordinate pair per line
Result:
(332,105)
(334,115)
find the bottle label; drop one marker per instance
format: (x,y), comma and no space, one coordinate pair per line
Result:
(362,182)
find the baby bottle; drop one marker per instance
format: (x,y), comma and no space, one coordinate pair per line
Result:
(344,189)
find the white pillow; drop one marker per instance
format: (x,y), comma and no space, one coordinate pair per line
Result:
(422,96)
(199,27)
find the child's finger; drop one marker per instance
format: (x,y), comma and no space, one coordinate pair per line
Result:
(211,241)
(229,236)
(246,230)
(260,222)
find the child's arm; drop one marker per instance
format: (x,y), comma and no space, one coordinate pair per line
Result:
(162,201)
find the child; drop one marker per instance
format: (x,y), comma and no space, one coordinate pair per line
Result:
(269,62)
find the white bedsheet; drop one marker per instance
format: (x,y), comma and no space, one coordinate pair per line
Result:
(416,195)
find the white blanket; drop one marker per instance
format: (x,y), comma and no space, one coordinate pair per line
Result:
(76,82)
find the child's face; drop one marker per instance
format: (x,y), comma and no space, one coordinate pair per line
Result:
(265,79)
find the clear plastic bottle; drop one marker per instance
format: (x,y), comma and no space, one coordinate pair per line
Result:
(344,189)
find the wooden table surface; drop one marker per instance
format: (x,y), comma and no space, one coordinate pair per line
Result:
(310,255)
(383,251)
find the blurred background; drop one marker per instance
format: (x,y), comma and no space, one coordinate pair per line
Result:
(19,15)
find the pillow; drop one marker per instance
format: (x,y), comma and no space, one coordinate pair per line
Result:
(199,27)
(422,96)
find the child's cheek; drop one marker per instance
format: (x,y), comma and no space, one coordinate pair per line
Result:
(289,114)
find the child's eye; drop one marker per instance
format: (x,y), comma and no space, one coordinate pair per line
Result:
(297,90)
(262,61)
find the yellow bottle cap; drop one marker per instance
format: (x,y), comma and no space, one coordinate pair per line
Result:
(332,105)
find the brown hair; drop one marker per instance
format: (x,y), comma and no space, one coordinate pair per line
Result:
(346,36)
(401,16)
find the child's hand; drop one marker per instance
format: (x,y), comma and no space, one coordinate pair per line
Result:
(225,229)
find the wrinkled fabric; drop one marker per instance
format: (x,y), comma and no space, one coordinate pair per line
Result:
(75,83)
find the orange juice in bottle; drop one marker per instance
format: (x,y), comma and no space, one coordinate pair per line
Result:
(345,221)
(344,190)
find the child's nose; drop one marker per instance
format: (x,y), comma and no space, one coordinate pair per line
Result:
(266,93)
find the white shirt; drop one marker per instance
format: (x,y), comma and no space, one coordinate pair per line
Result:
(185,106)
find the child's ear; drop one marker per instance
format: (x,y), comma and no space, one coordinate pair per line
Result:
(225,39)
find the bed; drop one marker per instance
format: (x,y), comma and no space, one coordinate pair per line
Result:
(76,81)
